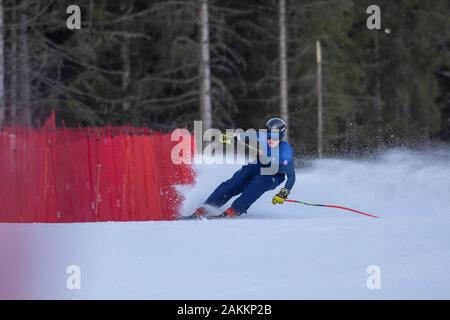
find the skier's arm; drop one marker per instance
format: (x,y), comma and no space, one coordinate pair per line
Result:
(289,170)
(290,174)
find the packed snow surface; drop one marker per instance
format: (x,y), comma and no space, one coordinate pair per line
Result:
(287,251)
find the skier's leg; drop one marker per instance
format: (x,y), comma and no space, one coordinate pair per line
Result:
(233,186)
(255,189)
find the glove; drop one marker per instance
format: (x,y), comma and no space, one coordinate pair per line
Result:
(226,138)
(280,196)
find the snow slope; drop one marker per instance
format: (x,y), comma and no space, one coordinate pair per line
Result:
(273,252)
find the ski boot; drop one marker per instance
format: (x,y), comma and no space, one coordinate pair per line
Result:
(230,213)
(199,213)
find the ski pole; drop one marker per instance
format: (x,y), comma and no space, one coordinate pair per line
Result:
(315,204)
(332,206)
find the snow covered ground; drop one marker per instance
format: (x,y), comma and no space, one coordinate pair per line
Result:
(274,252)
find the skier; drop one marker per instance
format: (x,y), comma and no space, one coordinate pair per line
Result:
(249,181)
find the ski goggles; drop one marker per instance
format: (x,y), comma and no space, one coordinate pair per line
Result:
(274,135)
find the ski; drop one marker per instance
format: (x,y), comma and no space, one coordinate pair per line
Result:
(192,217)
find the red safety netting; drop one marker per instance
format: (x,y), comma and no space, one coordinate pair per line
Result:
(88,174)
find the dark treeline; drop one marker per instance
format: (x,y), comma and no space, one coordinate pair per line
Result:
(139,63)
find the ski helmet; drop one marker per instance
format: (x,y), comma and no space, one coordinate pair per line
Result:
(276,124)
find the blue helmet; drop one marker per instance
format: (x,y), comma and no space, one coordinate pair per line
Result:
(276,124)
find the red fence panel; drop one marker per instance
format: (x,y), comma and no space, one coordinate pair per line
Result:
(88,174)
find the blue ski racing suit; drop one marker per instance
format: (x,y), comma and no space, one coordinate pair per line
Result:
(251,182)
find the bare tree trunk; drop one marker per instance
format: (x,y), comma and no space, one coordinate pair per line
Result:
(350,131)
(205,67)
(125,53)
(13,61)
(24,68)
(319,100)
(2,67)
(91,12)
(284,111)
(126,65)
(379,116)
